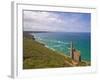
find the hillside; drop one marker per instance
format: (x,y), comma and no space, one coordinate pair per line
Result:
(36,55)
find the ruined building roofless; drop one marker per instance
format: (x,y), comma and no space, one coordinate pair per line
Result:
(74,54)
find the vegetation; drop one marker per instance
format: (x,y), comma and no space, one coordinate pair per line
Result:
(36,55)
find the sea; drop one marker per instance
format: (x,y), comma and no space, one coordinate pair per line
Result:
(60,42)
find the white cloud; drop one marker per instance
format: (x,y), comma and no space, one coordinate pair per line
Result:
(50,21)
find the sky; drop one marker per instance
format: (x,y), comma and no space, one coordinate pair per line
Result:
(56,21)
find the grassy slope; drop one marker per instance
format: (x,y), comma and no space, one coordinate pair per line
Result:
(36,55)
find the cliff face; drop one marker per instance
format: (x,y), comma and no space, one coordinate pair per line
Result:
(27,35)
(36,55)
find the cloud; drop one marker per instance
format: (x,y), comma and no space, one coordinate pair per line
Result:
(56,21)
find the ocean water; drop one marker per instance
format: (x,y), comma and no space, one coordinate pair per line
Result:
(60,41)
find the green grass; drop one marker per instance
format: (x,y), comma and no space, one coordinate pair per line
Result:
(36,55)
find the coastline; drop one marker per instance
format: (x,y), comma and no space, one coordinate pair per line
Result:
(61,42)
(66,60)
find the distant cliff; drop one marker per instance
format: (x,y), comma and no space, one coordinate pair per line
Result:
(27,35)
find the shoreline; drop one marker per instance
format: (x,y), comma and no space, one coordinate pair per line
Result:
(56,50)
(42,50)
(61,53)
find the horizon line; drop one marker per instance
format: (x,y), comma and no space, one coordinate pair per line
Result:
(55,31)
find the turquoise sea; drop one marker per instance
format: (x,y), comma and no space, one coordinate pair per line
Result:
(59,41)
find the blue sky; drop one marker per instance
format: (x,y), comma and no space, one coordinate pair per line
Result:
(57,21)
